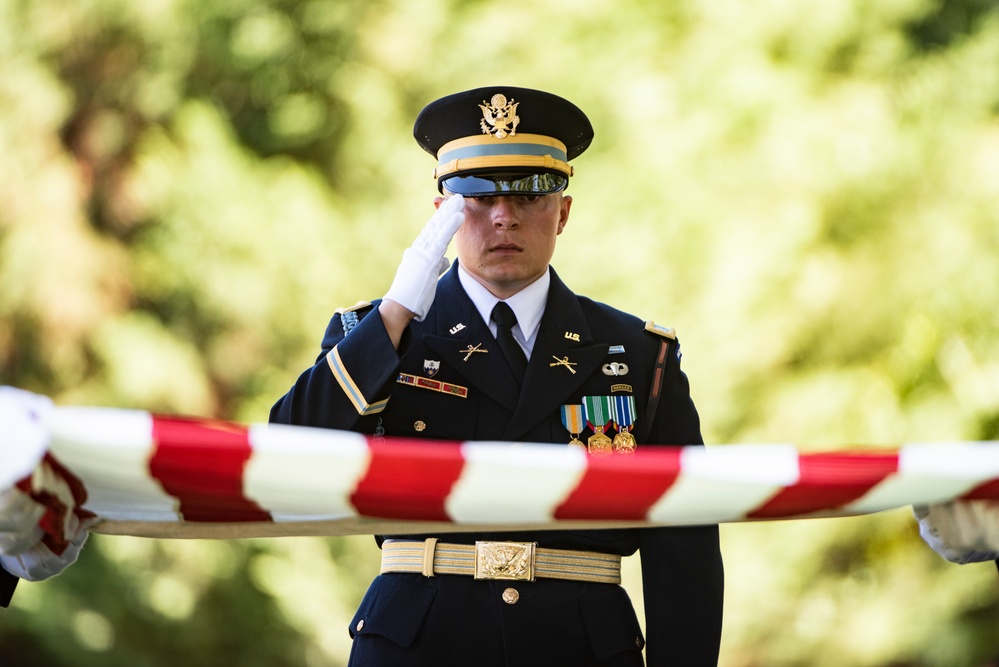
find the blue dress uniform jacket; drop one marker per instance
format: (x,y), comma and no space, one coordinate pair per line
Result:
(408,619)
(8,582)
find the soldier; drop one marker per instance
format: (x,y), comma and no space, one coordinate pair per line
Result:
(498,348)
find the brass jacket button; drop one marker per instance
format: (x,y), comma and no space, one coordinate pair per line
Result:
(420,425)
(510,596)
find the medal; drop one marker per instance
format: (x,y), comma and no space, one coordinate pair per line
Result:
(624,417)
(624,443)
(598,444)
(597,412)
(572,419)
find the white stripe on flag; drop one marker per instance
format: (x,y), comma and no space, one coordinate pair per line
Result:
(304,474)
(931,473)
(504,484)
(109,449)
(726,483)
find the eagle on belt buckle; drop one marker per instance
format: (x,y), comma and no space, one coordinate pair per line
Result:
(511,561)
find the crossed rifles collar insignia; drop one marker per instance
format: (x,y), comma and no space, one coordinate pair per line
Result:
(473,349)
(564,361)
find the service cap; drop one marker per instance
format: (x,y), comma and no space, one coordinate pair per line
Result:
(502,140)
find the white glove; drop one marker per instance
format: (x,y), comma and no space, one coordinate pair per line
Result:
(24,438)
(39,562)
(42,527)
(19,517)
(416,279)
(962,531)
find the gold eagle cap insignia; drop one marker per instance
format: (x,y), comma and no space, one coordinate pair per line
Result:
(499,117)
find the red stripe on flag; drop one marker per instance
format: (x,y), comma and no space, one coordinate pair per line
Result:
(200,463)
(829,481)
(406,480)
(986,491)
(53,522)
(622,487)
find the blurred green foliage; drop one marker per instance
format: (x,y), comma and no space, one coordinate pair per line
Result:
(809,192)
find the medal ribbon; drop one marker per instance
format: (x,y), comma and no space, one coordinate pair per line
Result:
(624,412)
(572,418)
(597,412)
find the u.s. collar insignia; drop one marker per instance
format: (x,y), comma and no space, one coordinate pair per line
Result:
(431,367)
(499,117)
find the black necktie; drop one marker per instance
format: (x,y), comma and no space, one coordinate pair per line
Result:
(504,318)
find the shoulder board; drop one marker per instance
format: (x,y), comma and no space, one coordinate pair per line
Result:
(360,305)
(659,330)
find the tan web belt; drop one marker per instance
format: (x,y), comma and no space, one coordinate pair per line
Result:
(510,561)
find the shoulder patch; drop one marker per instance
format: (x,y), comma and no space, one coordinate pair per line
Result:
(360,305)
(659,330)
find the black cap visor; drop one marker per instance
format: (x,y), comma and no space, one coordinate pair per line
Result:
(494,185)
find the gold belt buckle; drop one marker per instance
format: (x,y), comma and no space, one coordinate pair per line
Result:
(513,561)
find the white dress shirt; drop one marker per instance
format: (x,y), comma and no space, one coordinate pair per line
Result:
(528,305)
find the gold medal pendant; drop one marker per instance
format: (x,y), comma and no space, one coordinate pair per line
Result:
(597,413)
(624,416)
(599,444)
(624,443)
(572,419)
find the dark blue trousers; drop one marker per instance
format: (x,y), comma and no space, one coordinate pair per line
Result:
(408,619)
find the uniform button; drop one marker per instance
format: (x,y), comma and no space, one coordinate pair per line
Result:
(510,596)
(360,625)
(419,425)
(640,643)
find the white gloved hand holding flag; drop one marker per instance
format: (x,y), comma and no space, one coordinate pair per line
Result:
(42,528)
(961,531)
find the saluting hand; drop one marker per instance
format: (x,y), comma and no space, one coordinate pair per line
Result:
(416,279)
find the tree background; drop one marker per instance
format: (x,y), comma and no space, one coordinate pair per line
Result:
(808,192)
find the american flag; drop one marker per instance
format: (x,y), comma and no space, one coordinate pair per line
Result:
(161,476)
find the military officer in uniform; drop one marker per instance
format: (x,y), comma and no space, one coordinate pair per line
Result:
(499,348)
